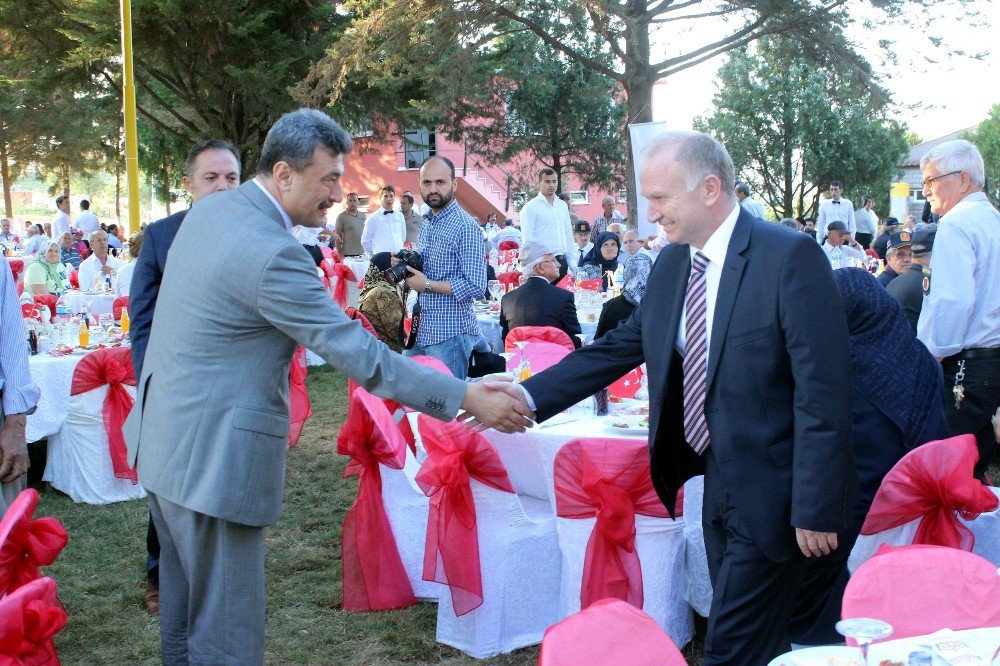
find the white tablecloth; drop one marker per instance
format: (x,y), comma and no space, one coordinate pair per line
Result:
(54,377)
(489,324)
(982,642)
(96,303)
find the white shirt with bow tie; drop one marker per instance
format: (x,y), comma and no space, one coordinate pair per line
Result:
(830,210)
(385,231)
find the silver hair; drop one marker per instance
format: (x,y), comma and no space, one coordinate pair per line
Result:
(95,232)
(790,223)
(295,137)
(958,155)
(699,155)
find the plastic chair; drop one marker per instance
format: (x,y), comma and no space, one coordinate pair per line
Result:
(49,301)
(87,458)
(497,551)
(373,573)
(537,333)
(344,276)
(930,497)
(540,355)
(508,245)
(29,618)
(921,589)
(616,537)
(27,544)
(119,304)
(609,631)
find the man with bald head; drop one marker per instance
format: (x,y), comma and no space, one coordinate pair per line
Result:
(610,216)
(748,382)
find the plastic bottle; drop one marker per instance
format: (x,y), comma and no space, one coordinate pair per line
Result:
(494,257)
(125,320)
(84,334)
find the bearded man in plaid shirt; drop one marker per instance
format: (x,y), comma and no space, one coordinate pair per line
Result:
(454,276)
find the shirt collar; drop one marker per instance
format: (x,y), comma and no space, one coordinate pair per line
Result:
(718,243)
(447,210)
(284,216)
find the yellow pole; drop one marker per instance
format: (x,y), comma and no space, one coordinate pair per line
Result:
(131,134)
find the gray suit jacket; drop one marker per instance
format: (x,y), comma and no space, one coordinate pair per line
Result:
(210,423)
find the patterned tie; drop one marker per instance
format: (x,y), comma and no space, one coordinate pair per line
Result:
(695,363)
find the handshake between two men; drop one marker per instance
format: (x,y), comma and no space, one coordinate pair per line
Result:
(496,402)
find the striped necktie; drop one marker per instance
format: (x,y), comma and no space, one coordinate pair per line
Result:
(695,363)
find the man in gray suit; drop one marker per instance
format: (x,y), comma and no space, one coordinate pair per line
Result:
(210,425)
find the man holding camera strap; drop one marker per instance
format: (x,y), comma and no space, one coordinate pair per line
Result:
(454,274)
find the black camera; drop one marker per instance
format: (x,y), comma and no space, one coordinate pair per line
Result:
(399,272)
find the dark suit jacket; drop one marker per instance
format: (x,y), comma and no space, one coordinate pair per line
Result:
(156,241)
(778,401)
(538,303)
(908,289)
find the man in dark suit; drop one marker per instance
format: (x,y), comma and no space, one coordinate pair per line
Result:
(211,166)
(538,302)
(749,384)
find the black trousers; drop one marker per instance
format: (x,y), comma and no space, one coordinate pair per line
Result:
(864,239)
(753,595)
(152,553)
(982,397)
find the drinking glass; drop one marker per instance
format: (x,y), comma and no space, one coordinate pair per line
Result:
(495,289)
(864,630)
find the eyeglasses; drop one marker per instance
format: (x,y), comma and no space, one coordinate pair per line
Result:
(928,181)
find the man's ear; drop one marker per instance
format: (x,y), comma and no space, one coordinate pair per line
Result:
(282,173)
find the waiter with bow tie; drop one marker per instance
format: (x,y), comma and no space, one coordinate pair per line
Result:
(385,230)
(835,208)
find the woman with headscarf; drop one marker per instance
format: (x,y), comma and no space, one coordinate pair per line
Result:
(383,303)
(621,307)
(601,259)
(46,273)
(895,407)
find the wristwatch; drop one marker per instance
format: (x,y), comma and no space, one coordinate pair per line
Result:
(427,288)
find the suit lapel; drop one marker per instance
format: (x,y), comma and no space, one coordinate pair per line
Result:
(729,285)
(676,286)
(256,195)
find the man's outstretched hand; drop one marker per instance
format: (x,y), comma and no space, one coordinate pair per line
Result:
(496,404)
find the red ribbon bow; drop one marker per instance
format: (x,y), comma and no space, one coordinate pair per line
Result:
(111,367)
(933,481)
(298,396)
(455,455)
(373,573)
(29,618)
(343,273)
(609,479)
(26,544)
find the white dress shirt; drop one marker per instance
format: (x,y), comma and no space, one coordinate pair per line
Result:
(281,211)
(839,254)
(580,254)
(35,243)
(123,283)
(831,210)
(385,231)
(91,266)
(549,225)
(715,249)
(753,207)
(19,393)
(86,222)
(307,235)
(962,310)
(866,221)
(60,224)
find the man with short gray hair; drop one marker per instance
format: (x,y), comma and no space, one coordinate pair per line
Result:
(751,206)
(209,429)
(99,268)
(960,319)
(610,216)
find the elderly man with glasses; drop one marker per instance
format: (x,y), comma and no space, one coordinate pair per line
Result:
(538,302)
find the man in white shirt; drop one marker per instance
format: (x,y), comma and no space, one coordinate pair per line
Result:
(749,205)
(385,230)
(545,221)
(835,208)
(99,263)
(86,221)
(839,254)
(866,223)
(60,223)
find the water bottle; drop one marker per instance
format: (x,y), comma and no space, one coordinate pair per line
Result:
(494,257)
(62,307)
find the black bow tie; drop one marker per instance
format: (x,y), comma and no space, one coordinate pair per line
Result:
(387,212)
(836,201)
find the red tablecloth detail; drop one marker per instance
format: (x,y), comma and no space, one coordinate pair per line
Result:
(510,280)
(608,632)
(609,479)
(540,356)
(29,618)
(74,278)
(49,301)
(921,589)
(373,574)
(933,481)
(300,407)
(455,455)
(506,245)
(27,544)
(111,367)
(627,386)
(119,304)
(343,273)
(540,333)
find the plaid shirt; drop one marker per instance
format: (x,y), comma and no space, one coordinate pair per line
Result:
(601,224)
(453,250)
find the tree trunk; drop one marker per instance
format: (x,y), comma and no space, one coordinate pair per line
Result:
(118,191)
(639,81)
(65,179)
(8,204)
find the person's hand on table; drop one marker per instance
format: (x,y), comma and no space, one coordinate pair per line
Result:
(814,544)
(13,448)
(491,404)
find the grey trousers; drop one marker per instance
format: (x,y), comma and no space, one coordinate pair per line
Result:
(211,587)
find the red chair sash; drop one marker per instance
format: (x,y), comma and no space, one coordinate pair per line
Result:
(509,256)
(343,273)
(74,278)
(118,305)
(113,368)
(27,544)
(29,618)
(538,333)
(540,356)
(508,245)
(934,481)
(16,267)
(353,313)
(607,479)
(455,455)
(328,253)
(373,574)
(300,407)
(510,279)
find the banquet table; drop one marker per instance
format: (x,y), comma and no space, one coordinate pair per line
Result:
(982,642)
(101,303)
(54,377)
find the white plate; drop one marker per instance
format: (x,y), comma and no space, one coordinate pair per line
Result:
(832,655)
(632,429)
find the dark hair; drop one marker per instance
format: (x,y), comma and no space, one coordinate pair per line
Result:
(408,197)
(84,204)
(508,222)
(564,196)
(351,194)
(112,226)
(448,163)
(60,199)
(387,188)
(545,171)
(294,138)
(211,144)
(836,183)
(742,187)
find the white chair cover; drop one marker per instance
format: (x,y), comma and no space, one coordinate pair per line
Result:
(699,584)
(519,557)
(79,462)
(986,529)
